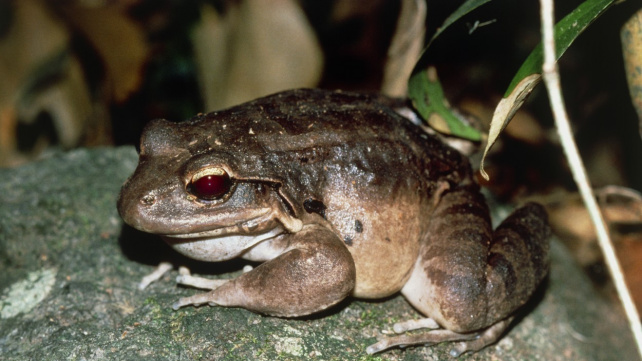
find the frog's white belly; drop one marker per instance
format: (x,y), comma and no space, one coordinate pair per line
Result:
(214,249)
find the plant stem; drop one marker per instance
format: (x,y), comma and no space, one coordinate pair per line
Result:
(552,81)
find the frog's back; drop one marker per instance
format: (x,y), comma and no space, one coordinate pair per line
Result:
(312,124)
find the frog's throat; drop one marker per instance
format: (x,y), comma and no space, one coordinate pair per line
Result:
(215,249)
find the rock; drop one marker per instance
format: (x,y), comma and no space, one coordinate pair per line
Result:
(69,269)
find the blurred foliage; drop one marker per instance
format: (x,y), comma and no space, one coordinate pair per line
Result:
(69,80)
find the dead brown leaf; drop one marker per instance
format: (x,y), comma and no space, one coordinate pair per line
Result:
(506,110)
(405,48)
(622,210)
(119,41)
(258,47)
(39,76)
(631,36)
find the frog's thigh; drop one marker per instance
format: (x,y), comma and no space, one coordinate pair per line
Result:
(468,278)
(314,272)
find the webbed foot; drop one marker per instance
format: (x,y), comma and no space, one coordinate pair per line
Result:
(465,342)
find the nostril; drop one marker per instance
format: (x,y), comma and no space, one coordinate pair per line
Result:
(148,200)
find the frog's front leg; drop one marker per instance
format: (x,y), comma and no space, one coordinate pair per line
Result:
(314,272)
(469,279)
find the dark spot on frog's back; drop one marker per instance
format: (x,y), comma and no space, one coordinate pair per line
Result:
(348,240)
(314,206)
(358,226)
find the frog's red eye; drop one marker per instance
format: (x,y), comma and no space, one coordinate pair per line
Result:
(210,184)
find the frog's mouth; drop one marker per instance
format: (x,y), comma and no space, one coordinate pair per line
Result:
(219,244)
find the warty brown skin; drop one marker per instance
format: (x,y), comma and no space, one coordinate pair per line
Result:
(356,200)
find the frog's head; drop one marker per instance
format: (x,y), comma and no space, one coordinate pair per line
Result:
(198,196)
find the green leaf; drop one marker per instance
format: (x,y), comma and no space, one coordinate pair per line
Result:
(464,9)
(428,99)
(529,74)
(426,92)
(566,31)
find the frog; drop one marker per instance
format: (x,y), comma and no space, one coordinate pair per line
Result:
(335,194)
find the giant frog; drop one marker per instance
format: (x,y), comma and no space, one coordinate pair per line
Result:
(337,195)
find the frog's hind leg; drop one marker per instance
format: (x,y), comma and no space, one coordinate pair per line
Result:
(474,341)
(470,279)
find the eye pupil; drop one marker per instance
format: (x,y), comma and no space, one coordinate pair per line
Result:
(211,186)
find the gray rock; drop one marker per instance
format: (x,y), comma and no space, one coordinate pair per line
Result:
(68,274)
